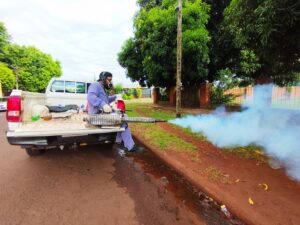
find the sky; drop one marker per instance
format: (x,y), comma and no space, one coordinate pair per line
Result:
(84,35)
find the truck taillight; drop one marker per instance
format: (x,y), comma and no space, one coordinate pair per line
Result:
(121,105)
(13,112)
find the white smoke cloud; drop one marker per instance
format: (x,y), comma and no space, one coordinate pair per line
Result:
(277,131)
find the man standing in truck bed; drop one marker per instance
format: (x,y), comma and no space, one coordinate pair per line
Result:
(98,101)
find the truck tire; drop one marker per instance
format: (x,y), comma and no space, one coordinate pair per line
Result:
(33,151)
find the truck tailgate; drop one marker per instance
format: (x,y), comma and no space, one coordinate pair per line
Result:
(59,127)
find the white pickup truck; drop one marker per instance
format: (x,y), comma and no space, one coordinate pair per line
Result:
(37,136)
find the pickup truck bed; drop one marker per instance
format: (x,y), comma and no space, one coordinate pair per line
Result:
(60,126)
(60,131)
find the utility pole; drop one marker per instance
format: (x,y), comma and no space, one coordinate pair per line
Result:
(179,60)
(16,70)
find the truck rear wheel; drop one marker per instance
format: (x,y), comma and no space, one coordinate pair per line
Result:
(33,151)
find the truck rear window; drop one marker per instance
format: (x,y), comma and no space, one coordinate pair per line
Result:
(70,87)
(80,87)
(58,86)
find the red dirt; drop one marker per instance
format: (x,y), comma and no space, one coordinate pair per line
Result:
(277,205)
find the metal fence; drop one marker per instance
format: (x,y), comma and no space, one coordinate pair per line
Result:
(282,97)
(146,93)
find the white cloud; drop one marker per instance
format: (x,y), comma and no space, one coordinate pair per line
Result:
(84,35)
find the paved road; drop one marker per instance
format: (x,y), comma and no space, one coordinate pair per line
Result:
(89,186)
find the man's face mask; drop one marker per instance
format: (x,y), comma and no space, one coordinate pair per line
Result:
(108,83)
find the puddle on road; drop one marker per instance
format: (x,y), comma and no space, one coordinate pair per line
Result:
(169,181)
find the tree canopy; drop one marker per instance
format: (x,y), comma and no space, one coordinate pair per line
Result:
(7,78)
(4,41)
(267,32)
(33,67)
(151,54)
(247,38)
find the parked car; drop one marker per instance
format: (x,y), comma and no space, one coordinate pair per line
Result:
(3,104)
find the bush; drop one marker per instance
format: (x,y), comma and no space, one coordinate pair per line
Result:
(218,96)
(7,78)
(127,97)
(128,91)
(138,93)
(124,96)
(118,88)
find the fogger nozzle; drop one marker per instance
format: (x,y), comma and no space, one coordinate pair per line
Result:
(116,119)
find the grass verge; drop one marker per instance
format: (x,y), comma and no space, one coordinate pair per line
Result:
(154,134)
(162,139)
(215,174)
(249,152)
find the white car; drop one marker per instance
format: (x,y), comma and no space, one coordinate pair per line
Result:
(3,104)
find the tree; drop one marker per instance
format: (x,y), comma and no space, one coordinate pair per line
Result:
(7,78)
(222,52)
(151,55)
(268,34)
(4,41)
(148,4)
(34,67)
(130,58)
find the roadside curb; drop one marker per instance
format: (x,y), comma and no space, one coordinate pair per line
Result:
(182,171)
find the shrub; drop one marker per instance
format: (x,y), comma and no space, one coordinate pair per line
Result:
(138,92)
(219,97)
(7,78)
(118,88)
(124,96)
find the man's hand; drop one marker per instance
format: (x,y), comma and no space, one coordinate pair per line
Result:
(114,107)
(107,108)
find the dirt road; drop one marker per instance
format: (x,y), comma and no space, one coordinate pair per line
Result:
(89,186)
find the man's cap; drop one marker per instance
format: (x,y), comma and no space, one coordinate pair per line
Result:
(103,75)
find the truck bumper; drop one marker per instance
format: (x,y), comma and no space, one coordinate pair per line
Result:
(44,142)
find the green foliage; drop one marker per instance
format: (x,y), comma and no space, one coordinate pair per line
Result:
(118,88)
(218,96)
(249,62)
(253,38)
(164,140)
(155,135)
(271,30)
(127,96)
(148,4)
(124,96)
(151,55)
(7,78)
(250,152)
(221,51)
(138,92)
(163,94)
(131,59)
(4,41)
(128,91)
(34,67)
(226,80)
